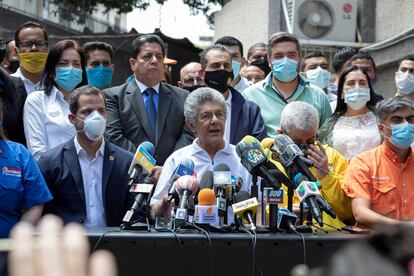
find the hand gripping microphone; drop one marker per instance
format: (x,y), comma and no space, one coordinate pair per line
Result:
(222,186)
(186,167)
(206,210)
(286,220)
(186,186)
(245,207)
(290,154)
(254,160)
(144,191)
(143,162)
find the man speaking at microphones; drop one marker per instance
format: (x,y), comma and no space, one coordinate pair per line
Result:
(300,121)
(88,175)
(205,114)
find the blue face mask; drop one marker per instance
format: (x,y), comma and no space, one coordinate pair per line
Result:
(236,67)
(100,77)
(402,135)
(285,69)
(68,77)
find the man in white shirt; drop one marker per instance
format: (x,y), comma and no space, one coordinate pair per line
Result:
(87,176)
(32,47)
(205,114)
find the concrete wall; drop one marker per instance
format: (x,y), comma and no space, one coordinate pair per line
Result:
(393,17)
(246,20)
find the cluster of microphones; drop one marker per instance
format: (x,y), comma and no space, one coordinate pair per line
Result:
(219,201)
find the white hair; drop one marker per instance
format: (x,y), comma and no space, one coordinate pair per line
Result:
(301,115)
(199,97)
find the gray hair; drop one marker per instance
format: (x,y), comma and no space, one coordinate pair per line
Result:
(388,106)
(301,115)
(199,97)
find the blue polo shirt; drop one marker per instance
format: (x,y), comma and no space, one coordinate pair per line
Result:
(21,184)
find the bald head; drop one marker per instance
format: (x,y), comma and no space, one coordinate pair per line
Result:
(189,76)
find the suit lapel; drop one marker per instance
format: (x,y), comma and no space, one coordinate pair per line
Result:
(236,108)
(164,102)
(134,96)
(108,164)
(72,161)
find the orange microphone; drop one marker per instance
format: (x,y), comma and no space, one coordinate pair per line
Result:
(206,211)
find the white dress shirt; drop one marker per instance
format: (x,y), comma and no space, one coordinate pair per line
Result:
(227,127)
(92,185)
(202,163)
(28,84)
(45,120)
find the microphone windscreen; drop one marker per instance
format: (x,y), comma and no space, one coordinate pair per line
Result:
(186,182)
(267,142)
(242,146)
(206,180)
(241,196)
(221,168)
(206,197)
(149,147)
(282,141)
(188,163)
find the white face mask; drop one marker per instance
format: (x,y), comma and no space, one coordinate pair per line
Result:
(94,126)
(319,77)
(356,98)
(405,83)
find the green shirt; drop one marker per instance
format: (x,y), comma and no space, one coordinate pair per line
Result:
(271,102)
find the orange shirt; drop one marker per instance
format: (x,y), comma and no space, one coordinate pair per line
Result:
(378,176)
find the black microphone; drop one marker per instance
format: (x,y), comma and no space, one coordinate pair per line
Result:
(144,191)
(186,167)
(286,220)
(206,181)
(245,207)
(290,154)
(254,160)
(186,186)
(223,187)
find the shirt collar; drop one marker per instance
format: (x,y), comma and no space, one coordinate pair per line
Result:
(391,155)
(228,100)
(142,87)
(79,148)
(24,79)
(227,147)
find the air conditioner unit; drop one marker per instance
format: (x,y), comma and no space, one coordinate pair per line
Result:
(333,20)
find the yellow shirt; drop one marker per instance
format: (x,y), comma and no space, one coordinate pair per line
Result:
(331,189)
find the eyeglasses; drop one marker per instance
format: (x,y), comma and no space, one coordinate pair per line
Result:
(191,80)
(208,116)
(28,44)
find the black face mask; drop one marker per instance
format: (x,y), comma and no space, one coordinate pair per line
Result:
(263,65)
(218,79)
(2,54)
(14,65)
(192,88)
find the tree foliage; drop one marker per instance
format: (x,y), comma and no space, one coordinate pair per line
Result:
(77,9)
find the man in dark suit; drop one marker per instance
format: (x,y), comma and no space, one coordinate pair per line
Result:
(245,118)
(146,109)
(87,176)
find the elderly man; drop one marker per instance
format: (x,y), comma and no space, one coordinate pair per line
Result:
(284,84)
(380,181)
(205,113)
(190,78)
(300,121)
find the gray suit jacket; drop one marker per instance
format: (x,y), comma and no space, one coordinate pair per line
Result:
(128,124)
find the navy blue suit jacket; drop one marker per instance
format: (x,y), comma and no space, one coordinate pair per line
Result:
(61,169)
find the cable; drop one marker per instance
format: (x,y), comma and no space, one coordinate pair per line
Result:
(210,246)
(254,240)
(304,246)
(102,236)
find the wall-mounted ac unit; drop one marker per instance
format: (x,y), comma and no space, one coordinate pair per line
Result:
(333,20)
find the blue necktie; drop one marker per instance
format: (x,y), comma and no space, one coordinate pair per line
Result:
(151,111)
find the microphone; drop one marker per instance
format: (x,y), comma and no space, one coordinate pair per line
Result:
(144,191)
(323,204)
(286,220)
(236,183)
(308,192)
(186,167)
(223,187)
(142,161)
(206,211)
(254,160)
(206,181)
(290,154)
(186,186)
(245,207)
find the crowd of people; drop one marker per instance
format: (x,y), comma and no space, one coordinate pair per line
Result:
(68,136)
